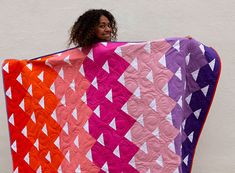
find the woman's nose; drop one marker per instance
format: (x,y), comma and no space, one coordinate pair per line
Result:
(107,28)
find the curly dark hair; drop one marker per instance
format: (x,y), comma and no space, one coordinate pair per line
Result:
(82,32)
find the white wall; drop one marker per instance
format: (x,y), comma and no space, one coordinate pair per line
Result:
(32,28)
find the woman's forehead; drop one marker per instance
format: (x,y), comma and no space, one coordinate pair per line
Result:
(104,19)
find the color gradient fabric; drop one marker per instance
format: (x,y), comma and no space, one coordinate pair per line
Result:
(116,107)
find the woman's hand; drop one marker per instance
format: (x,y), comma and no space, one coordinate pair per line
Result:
(189,37)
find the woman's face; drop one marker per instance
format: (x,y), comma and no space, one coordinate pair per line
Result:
(103,30)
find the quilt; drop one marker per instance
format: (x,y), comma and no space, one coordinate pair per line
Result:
(117,107)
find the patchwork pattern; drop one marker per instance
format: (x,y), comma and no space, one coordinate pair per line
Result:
(116,107)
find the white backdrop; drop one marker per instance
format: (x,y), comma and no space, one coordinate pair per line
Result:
(32,28)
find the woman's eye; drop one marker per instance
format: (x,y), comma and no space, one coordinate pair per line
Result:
(104,26)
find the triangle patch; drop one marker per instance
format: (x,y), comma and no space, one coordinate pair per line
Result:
(134,64)
(117,152)
(144,148)
(113,124)
(106,67)
(163,60)
(101,139)
(160,161)
(97,111)
(153,105)
(6,67)
(177,45)
(90,55)
(109,96)
(150,76)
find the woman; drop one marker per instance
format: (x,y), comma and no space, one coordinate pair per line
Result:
(93,26)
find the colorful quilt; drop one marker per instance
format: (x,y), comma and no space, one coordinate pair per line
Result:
(117,107)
